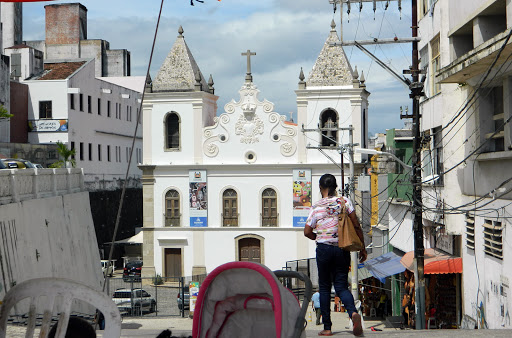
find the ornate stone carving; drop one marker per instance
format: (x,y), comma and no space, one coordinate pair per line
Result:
(249,129)
(331,67)
(209,148)
(288,145)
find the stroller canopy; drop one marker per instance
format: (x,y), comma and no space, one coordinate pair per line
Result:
(244,299)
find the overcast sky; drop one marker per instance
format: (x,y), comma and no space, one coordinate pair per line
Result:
(285,34)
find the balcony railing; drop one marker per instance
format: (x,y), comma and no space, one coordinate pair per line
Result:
(229,221)
(24,184)
(270,221)
(173,221)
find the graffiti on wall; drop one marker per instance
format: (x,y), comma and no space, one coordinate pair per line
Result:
(8,249)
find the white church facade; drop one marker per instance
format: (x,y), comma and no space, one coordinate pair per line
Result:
(238,186)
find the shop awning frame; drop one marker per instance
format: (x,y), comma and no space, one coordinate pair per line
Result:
(436,262)
(384,266)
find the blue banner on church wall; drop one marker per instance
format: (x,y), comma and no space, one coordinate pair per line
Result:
(301,196)
(198,198)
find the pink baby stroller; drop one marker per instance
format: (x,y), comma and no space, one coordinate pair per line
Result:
(244,299)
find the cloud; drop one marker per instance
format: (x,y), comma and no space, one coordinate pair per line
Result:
(285,34)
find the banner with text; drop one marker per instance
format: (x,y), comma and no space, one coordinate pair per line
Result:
(47,125)
(301,196)
(198,198)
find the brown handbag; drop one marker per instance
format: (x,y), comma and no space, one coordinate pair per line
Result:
(348,239)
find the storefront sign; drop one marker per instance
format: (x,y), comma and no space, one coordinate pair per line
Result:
(47,125)
(198,198)
(445,243)
(301,196)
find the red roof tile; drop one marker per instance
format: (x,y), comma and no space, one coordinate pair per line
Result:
(61,70)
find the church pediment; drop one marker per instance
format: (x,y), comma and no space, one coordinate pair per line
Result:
(249,124)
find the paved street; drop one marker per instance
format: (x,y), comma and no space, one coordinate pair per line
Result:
(146,327)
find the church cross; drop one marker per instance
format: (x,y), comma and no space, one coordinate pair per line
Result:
(248,76)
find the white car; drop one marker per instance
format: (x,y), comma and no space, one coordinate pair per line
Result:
(108,270)
(136,301)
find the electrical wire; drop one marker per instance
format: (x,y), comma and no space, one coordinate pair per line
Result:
(123,192)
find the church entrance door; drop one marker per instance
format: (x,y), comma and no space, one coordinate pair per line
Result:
(172,262)
(250,250)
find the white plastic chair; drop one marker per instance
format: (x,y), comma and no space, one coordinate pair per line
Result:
(66,291)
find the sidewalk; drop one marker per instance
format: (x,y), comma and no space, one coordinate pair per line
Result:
(182,327)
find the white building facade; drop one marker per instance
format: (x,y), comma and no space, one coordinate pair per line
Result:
(238,186)
(465,48)
(96,117)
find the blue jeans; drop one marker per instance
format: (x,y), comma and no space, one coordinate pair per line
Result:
(333,264)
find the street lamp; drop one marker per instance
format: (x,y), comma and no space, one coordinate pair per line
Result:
(384,153)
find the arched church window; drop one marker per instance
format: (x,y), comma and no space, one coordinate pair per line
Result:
(172,208)
(329,128)
(269,213)
(229,208)
(172,131)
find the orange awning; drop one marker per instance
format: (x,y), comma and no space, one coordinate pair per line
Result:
(436,262)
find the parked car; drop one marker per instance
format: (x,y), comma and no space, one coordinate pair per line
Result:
(136,301)
(184,300)
(38,166)
(17,163)
(132,271)
(108,270)
(2,164)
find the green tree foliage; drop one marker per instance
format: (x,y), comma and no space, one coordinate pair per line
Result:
(66,155)
(4,114)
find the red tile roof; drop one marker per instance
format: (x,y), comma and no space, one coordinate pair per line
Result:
(18,46)
(60,71)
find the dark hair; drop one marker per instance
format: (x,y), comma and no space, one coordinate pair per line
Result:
(77,328)
(328,181)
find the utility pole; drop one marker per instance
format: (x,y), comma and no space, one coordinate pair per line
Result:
(419,250)
(416,88)
(353,255)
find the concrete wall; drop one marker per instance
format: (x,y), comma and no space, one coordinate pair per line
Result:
(487,279)
(212,247)
(12,22)
(55,239)
(95,128)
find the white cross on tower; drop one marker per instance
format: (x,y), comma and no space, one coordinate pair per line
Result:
(248,76)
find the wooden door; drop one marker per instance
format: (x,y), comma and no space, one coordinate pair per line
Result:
(249,250)
(172,262)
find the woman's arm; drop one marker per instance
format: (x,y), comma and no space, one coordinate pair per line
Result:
(308,232)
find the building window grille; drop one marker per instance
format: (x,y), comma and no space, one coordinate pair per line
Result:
(108,153)
(72,101)
(172,209)
(99,106)
(90,151)
(45,109)
(493,241)
(81,102)
(470,232)
(89,104)
(329,128)
(269,213)
(73,148)
(99,152)
(108,108)
(229,208)
(81,151)
(435,64)
(497,134)
(172,126)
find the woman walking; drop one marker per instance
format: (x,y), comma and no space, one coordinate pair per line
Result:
(333,263)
